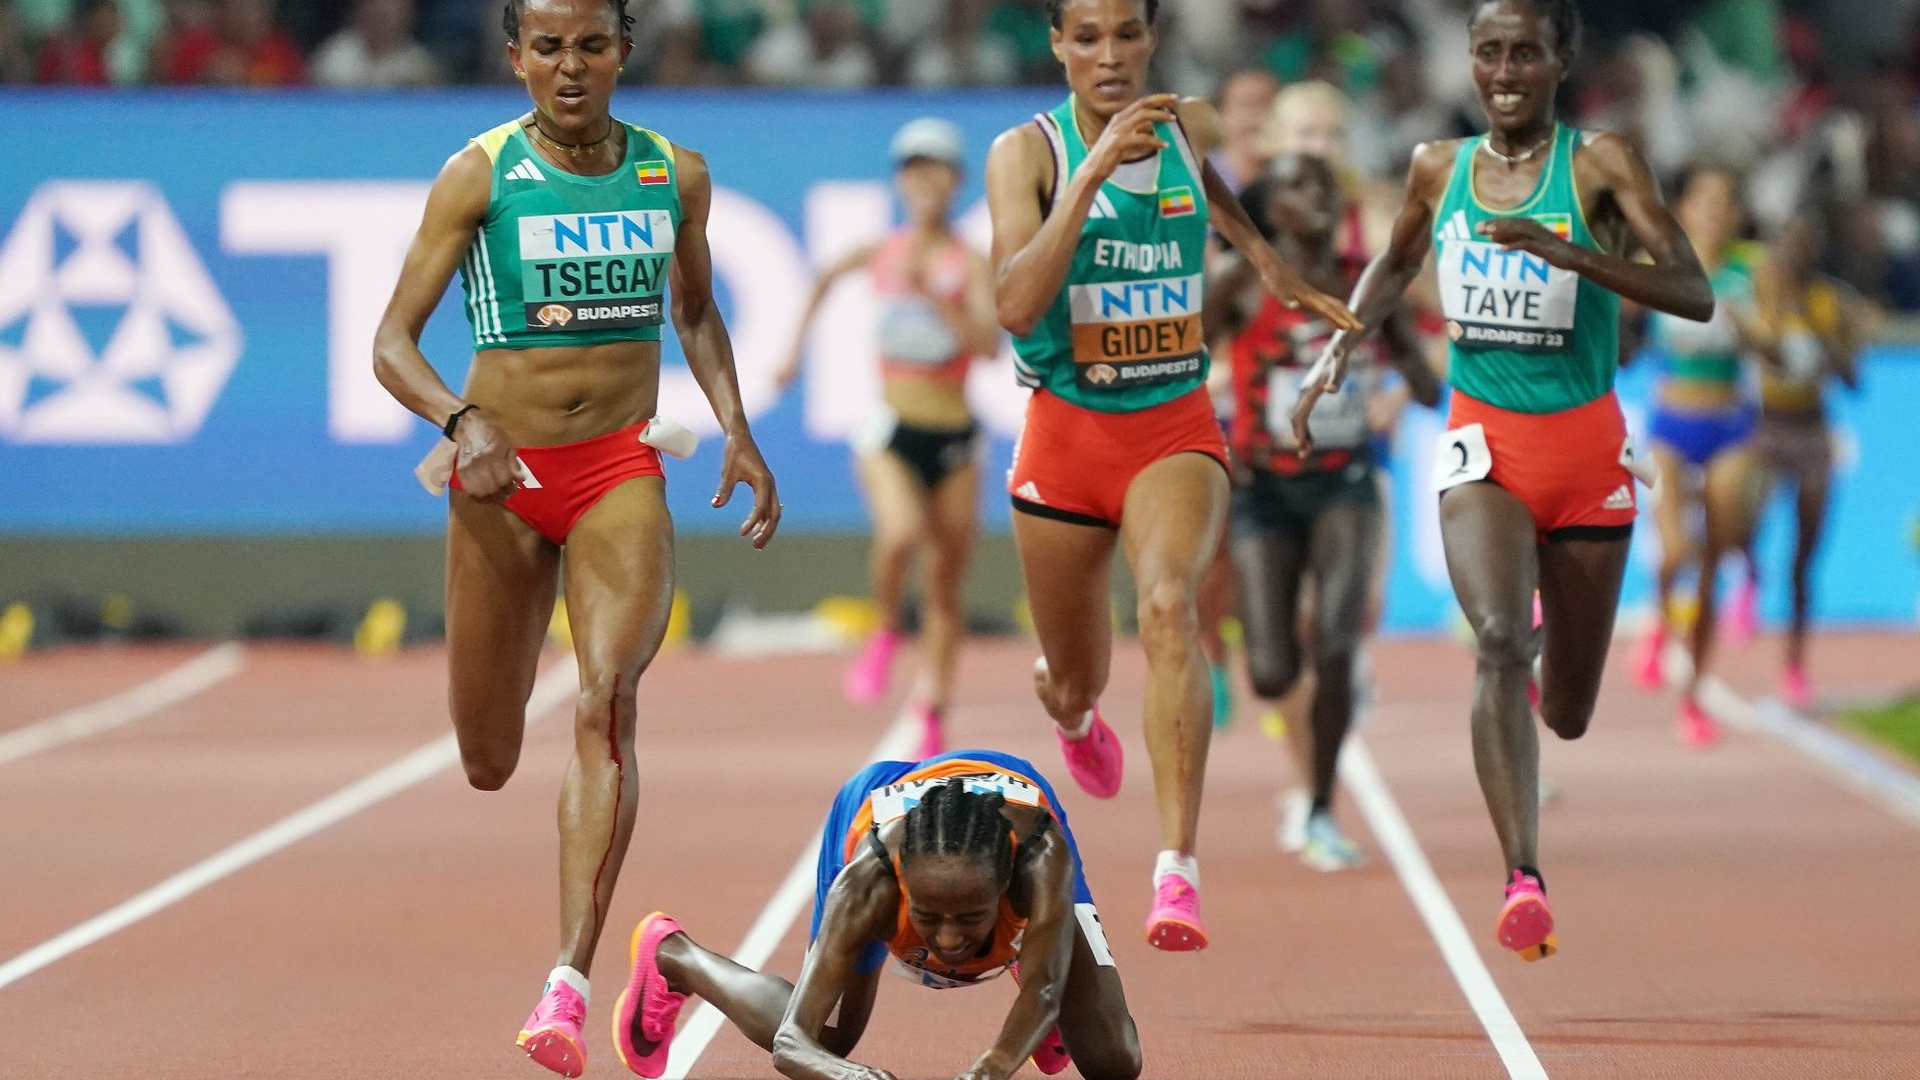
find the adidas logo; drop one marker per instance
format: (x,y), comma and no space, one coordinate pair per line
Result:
(1030,493)
(1102,207)
(526,170)
(1621,499)
(1456,227)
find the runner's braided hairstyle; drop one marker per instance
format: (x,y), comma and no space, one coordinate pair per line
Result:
(1054,6)
(510,19)
(1564,15)
(950,820)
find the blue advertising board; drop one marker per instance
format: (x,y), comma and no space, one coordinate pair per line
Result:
(188,295)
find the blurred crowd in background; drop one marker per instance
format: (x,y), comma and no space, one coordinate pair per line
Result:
(1815,103)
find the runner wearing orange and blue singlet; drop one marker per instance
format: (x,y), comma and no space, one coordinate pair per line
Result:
(959,868)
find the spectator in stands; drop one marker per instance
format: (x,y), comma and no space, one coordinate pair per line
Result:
(1024,26)
(1399,116)
(708,40)
(1246,99)
(376,48)
(241,47)
(16,64)
(957,53)
(78,55)
(824,47)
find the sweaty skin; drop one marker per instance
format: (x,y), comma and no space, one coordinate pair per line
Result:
(501,574)
(1487,532)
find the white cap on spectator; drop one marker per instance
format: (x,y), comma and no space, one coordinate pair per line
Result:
(928,137)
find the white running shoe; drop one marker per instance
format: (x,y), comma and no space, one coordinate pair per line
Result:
(1295,806)
(1327,850)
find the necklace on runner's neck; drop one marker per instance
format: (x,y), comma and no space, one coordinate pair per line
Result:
(573,149)
(1516,159)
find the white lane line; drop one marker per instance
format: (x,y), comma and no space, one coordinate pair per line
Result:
(1855,767)
(169,688)
(1396,838)
(559,683)
(770,928)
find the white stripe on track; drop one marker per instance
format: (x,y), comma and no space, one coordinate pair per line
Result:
(1396,838)
(770,928)
(167,689)
(559,683)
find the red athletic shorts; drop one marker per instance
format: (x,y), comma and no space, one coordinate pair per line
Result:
(1569,468)
(1074,464)
(558,484)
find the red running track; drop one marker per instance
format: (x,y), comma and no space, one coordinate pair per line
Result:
(1724,914)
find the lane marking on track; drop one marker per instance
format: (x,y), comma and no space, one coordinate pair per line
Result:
(560,682)
(1396,838)
(167,689)
(775,920)
(1855,767)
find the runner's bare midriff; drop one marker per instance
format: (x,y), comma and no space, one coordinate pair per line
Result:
(926,402)
(563,394)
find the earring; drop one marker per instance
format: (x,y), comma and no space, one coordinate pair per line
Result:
(521,75)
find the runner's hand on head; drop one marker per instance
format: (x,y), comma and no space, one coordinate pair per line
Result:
(744,465)
(484,459)
(1130,135)
(1324,377)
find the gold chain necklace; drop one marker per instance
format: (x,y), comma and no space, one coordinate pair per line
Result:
(1516,159)
(576,150)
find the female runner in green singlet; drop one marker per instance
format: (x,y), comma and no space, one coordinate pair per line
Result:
(1100,212)
(567,224)
(1533,225)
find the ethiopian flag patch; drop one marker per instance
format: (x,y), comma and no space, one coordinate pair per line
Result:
(653,172)
(1560,225)
(1176,202)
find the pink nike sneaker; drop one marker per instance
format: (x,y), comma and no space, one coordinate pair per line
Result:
(1525,925)
(1742,613)
(645,1013)
(1696,728)
(1174,923)
(1095,759)
(1051,1055)
(868,675)
(1648,669)
(1796,689)
(551,1036)
(933,730)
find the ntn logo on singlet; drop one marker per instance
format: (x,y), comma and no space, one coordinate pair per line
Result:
(1498,298)
(617,232)
(1122,323)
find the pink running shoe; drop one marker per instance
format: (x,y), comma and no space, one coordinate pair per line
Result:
(1796,689)
(1697,729)
(1051,1055)
(1649,670)
(1095,759)
(646,1010)
(867,676)
(1525,925)
(933,730)
(551,1036)
(1174,923)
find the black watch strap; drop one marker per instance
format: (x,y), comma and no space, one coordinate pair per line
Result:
(454,420)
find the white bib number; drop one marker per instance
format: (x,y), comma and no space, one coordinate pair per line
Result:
(1462,457)
(1338,420)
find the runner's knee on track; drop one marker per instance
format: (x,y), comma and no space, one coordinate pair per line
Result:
(606,700)
(1169,617)
(1272,671)
(1501,643)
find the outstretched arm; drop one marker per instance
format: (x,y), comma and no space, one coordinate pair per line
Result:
(1046,951)
(1672,282)
(703,337)
(822,285)
(861,902)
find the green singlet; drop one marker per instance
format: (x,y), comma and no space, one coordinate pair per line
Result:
(1524,335)
(564,259)
(1124,334)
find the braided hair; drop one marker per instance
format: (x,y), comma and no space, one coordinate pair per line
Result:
(510,18)
(950,820)
(1054,6)
(1564,15)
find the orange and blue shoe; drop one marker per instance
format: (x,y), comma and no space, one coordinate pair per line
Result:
(1051,1055)
(1526,926)
(644,1016)
(1174,923)
(552,1036)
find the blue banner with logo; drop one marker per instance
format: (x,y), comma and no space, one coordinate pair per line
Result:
(188,293)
